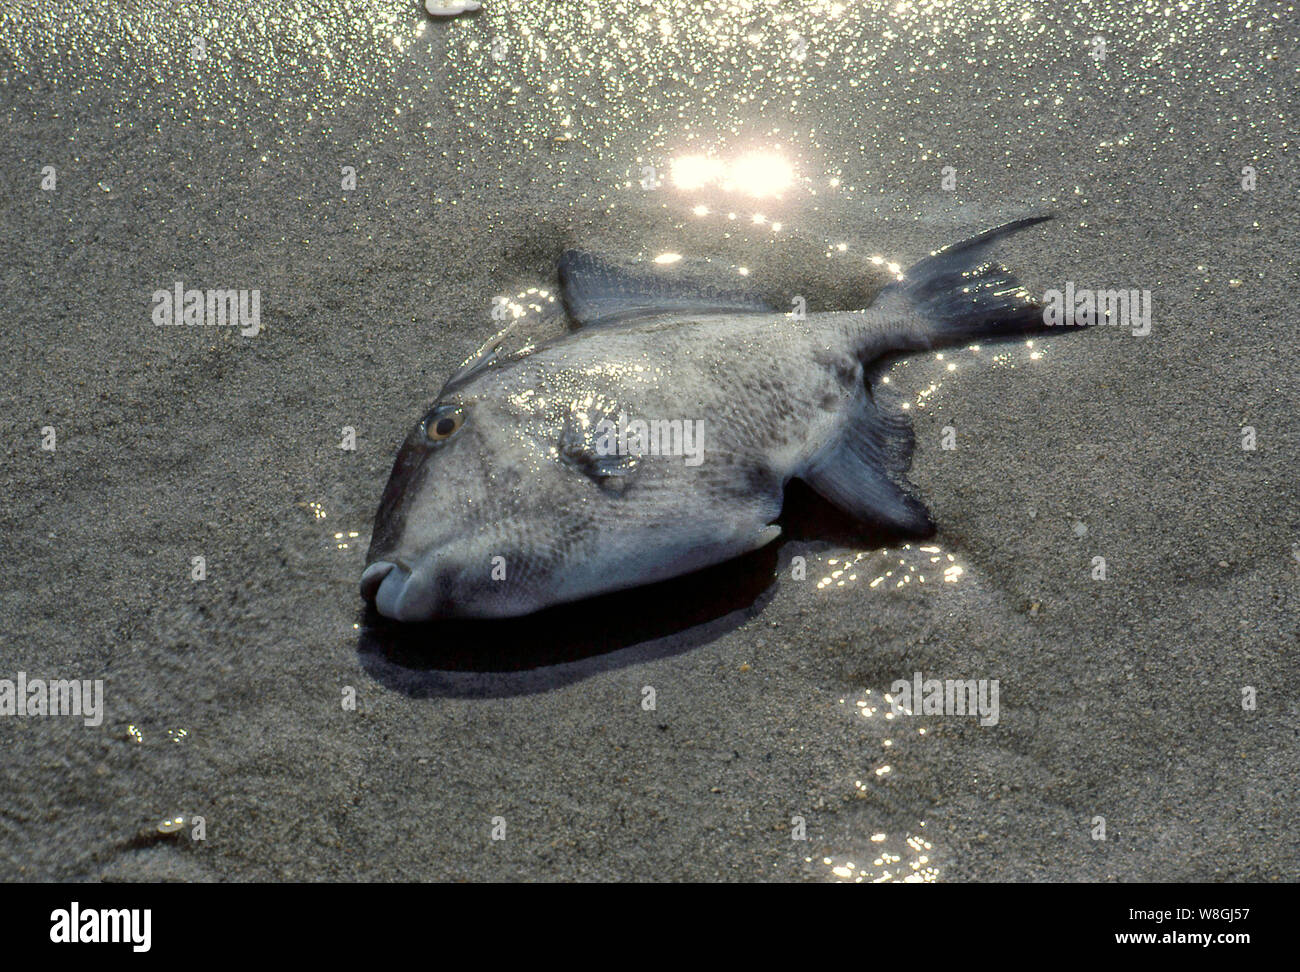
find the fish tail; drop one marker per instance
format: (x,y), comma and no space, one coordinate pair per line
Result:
(959,296)
(950,298)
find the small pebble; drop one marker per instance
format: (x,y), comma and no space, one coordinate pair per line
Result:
(171,825)
(450,8)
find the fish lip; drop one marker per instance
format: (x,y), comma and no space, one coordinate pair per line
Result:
(402,594)
(392,594)
(373,576)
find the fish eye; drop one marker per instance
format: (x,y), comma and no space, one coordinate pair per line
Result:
(443,424)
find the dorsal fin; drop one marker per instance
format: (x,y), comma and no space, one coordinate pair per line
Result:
(598,292)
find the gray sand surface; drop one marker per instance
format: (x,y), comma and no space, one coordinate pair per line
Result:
(485,145)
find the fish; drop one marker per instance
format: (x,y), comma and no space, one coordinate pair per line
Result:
(654,431)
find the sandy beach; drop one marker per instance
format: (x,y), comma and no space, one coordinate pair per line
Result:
(379,177)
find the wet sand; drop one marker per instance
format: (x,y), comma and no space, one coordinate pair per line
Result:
(484,146)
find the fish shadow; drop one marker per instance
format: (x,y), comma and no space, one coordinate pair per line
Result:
(498,658)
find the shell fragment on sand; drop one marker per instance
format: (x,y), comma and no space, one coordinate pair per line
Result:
(450,8)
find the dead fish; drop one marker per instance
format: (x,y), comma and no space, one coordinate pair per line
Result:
(657,437)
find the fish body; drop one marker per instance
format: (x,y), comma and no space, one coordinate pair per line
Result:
(658,437)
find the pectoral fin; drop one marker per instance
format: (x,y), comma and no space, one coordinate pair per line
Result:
(589,443)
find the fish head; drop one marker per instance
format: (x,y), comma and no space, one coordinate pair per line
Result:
(469,524)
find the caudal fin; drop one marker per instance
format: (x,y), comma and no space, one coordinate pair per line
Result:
(961,297)
(951,297)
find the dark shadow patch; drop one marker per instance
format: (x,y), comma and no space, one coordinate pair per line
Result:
(569,642)
(805,516)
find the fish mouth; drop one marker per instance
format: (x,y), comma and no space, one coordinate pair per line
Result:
(373,576)
(389,586)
